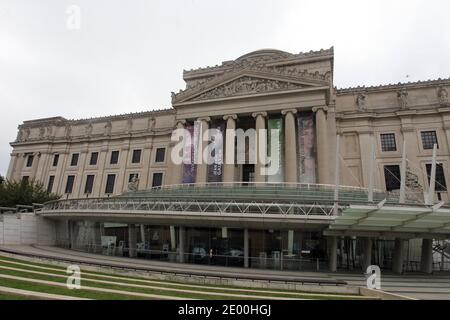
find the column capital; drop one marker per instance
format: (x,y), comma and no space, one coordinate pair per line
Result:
(286,111)
(324,108)
(230,116)
(260,113)
(207,119)
(180,122)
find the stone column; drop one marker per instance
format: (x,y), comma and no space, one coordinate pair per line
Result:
(132,239)
(12,166)
(102,160)
(60,169)
(177,170)
(142,229)
(365,147)
(35,165)
(39,174)
(181,244)
(229,147)
(122,181)
(367,253)
(322,144)
(143,179)
(260,125)
(332,253)
(202,167)
(246,249)
(397,258)
(426,261)
(79,186)
(290,146)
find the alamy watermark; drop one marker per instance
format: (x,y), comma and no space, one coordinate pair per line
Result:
(207,148)
(373,274)
(74,278)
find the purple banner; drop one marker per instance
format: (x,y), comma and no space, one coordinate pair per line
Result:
(189,167)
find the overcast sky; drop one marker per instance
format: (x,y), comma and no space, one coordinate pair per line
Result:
(127,56)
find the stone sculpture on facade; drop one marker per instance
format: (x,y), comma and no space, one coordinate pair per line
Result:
(68,131)
(108,128)
(442,94)
(41,132)
(20,135)
(88,129)
(247,85)
(402,97)
(361,101)
(129,125)
(133,185)
(150,124)
(50,131)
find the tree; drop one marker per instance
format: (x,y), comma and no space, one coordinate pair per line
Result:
(24,192)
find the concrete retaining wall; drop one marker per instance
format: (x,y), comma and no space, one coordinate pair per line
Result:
(25,229)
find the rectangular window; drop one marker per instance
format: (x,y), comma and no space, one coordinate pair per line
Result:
(30,160)
(51,181)
(429,138)
(55,160)
(94,158)
(114,157)
(69,184)
(388,142)
(136,156)
(439,184)
(25,179)
(157,180)
(110,179)
(160,154)
(74,160)
(392,177)
(89,183)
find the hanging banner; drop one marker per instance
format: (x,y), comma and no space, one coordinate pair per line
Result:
(189,167)
(215,166)
(306,148)
(277,156)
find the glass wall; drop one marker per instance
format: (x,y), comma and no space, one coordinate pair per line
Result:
(267,249)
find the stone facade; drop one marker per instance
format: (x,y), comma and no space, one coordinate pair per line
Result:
(252,88)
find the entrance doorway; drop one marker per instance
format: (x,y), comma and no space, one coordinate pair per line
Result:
(248,174)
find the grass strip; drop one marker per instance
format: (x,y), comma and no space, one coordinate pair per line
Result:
(202,288)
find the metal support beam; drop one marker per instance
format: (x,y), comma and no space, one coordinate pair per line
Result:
(403,175)
(336,176)
(430,197)
(246,247)
(371,171)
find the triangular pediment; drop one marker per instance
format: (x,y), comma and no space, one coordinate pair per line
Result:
(246,83)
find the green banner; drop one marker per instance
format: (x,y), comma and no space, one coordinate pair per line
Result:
(277,158)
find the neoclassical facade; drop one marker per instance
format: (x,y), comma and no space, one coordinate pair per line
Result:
(247,93)
(364,134)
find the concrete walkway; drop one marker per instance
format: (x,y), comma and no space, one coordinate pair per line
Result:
(37,295)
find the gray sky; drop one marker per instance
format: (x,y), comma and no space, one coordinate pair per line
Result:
(129,55)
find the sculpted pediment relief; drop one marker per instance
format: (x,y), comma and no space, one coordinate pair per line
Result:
(247,85)
(216,82)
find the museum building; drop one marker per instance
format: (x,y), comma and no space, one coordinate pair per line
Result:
(361,178)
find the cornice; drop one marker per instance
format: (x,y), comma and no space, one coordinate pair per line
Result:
(391,87)
(60,121)
(93,138)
